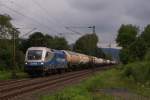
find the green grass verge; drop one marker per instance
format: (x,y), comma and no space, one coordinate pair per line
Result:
(5,75)
(107,79)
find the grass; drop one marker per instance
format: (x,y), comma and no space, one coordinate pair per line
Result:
(108,79)
(6,75)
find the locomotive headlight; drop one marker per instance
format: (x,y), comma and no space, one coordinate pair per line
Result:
(42,63)
(26,63)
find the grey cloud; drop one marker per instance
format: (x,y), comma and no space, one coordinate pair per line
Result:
(140,11)
(106,15)
(88,5)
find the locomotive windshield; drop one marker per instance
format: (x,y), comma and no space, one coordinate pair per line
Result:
(34,55)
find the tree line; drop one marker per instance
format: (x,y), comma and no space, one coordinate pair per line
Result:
(86,44)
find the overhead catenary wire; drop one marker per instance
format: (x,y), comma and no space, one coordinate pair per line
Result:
(60,24)
(43,10)
(47,12)
(28,33)
(68,28)
(30,18)
(56,22)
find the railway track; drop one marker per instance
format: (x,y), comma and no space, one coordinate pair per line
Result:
(7,82)
(20,87)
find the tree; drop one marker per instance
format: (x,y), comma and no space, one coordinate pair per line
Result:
(5,54)
(124,56)
(7,31)
(137,50)
(127,35)
(147,56)
(37,39)
(23,45)
(59,43)
(6,28)
(128,40)
(20,59)
(86,44)
(146,35)
(40,40)
(49,41)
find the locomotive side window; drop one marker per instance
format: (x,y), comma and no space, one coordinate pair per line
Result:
(48,56)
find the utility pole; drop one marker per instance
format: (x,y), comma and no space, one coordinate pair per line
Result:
(14,53)
(14,30)
(93,28)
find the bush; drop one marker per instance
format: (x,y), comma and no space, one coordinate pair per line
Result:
(140,71)
(147,56)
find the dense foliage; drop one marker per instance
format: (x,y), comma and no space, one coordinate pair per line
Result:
(41,40)
(7,31)
(126,35)
(135,52)
(134,45)
(146,35)
(139,71)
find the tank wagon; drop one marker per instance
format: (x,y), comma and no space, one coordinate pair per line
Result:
(44,60)
(76,60)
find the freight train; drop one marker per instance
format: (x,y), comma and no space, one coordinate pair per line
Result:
(42,60)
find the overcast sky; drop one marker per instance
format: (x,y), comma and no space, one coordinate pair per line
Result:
(52,16)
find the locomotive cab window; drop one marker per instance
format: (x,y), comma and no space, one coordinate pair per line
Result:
(48,56)
(34,55)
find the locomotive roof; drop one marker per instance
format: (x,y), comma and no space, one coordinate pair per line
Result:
(38,48)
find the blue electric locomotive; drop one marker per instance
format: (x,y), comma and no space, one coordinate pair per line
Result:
(42,60)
